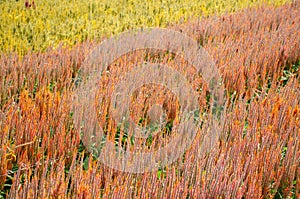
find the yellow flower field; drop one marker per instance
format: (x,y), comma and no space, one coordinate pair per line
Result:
(70,21)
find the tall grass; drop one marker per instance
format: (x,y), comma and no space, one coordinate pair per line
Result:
(258,155)
(24,29)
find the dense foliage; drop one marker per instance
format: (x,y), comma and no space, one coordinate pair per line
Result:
(257,51)
(72,21)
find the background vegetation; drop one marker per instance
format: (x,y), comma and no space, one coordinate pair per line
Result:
(72,21)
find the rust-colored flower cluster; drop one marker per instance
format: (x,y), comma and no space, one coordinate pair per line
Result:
(256,156)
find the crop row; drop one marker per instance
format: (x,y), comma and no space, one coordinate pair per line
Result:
(24,29)
(257,52)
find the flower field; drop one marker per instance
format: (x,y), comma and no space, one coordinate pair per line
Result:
(71,22)
(254,44)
